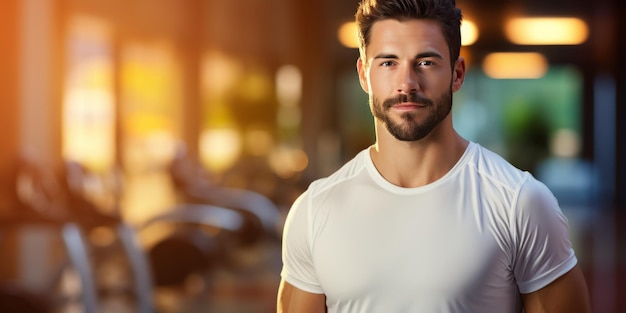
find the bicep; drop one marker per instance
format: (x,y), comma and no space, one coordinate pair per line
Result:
(294,300)
(567,293)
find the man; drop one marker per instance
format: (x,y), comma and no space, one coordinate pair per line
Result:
(423,220)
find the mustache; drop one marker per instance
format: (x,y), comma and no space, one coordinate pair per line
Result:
(412,97)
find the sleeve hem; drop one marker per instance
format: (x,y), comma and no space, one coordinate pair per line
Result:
(302,285)
(549,277)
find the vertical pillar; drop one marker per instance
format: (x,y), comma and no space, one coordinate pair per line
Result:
(312,57)
(9,120)
(40,123)
(9,99)
(621,104)
(193,46)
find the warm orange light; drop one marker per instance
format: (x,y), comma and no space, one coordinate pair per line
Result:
(220,148)
(527,65)
(88,134)
(289,85)
(288,161)
(469,33)
(220,72)
(348,35)
(546,31)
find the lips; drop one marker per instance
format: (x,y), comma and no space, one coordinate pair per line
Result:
(408,106)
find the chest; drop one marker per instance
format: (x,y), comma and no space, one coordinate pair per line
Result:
(405,247)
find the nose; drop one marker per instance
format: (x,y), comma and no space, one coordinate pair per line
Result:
(408,80)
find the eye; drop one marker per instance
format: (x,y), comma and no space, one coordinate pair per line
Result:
(425,63)
(386,63)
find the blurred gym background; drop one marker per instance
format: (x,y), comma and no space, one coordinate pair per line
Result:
(151,148)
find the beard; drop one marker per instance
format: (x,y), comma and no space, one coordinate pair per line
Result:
(408,129)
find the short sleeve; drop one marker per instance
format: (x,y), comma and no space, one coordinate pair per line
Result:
(541,234)
(297,259)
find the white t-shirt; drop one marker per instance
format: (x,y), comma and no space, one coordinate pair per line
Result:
(471,241)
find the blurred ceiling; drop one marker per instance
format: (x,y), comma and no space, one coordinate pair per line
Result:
(490,17)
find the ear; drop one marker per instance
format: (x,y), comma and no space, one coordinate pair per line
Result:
(360,67)
(458,74)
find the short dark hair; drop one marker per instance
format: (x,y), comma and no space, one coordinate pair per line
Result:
(444,12)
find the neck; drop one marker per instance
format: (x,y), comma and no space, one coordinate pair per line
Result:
(417,163)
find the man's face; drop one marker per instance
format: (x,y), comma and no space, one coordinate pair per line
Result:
(408,77)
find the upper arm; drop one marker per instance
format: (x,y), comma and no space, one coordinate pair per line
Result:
(298,264)
(542,250)
(567,293)
(294,300)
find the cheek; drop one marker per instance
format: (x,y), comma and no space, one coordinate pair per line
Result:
(380,84)
(440,83)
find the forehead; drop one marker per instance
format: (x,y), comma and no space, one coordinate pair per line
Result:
(410,36)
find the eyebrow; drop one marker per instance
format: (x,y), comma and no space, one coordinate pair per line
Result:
(385,56)
(429,54)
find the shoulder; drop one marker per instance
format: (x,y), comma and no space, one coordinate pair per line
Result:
(534,193)
(344,174)
(536,206)
(319,190)
(518,196)
(492,169)
(526,192)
